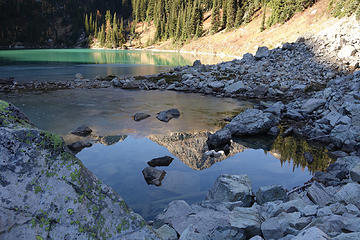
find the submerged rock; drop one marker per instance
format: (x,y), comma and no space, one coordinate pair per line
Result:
(82,131)
(78,146)
(140,116)
(167,115)
(219,139)
(161,161)
(47,193)
(153,175)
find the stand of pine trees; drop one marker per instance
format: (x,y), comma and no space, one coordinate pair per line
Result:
(105,32)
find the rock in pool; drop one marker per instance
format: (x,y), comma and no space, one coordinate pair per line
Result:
(161,161)
(78,146)
(82,131)
(140,116)
(153,175)
(167,115)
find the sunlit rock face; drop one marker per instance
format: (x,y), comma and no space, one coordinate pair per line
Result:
(190,148)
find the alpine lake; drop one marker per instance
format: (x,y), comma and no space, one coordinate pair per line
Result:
(122,147)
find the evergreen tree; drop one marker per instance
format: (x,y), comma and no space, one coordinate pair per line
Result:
(87,29)
(230,13)
(224,14)
(239,13)
(215,17)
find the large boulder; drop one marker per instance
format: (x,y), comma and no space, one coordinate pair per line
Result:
(47,193)
(318,194)
(312,104)
(235,87)
(232,188)
(153,175)
(262,52)
(252,122)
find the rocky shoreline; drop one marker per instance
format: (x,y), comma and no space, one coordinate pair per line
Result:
(311,87)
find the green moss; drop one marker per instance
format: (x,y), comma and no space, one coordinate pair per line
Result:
(3,106)
(70,211)
(123,226)
(37,189)
(39,237)
(55,140)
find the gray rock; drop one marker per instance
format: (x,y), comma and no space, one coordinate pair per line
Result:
(82,131)
(348,236)
(278,227)
(256,238)
(219,139)
(309,210)
(276,109)
(78,146)
(262,52)
(166,232)
(325,211)
(312,104)
(271,193)
(153,175)
(232,188)
(161,161)
(79,76)
(293,114)
(216,85)
(274,131)
(196,63)
(235,87)
(192,233)
(349,193)
(247,220)
(312,233)
(140,116)
(252,122)
(355,173)
(167,115)
(318,195)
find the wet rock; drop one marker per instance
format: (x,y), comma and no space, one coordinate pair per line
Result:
(318,195)
(252,122)
(153,175)
(219,139)
(262,52)
(167,115)
(166,232)
(308,157)
(140,116)
(161,161)
(78,146)
(232,188)
(271,193)
(82,131)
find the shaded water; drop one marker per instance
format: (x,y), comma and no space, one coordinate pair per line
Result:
(119,163)
(63,64)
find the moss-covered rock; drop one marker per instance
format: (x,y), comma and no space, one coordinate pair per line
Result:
(47,193)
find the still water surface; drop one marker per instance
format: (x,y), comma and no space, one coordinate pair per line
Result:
(119,164)
(63,64)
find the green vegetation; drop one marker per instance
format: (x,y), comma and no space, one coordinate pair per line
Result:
(342,8)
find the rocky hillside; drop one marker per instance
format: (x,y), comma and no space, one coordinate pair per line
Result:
(47,193)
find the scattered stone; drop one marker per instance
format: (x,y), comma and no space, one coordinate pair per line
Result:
(79,76)
(197,63)
(161,161)
(140,116)
(82,131)
(318,195)
(271,193)
(232,188)
(235,87)
(274,131)
(355,173)
(78,146)
(153,176)
(311,233)
(312,104)
(166,232)
(167,115)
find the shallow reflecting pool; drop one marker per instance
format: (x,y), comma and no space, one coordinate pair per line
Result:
(122,146)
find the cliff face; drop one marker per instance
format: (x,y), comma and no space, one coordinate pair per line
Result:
(47,193)
(190,148)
